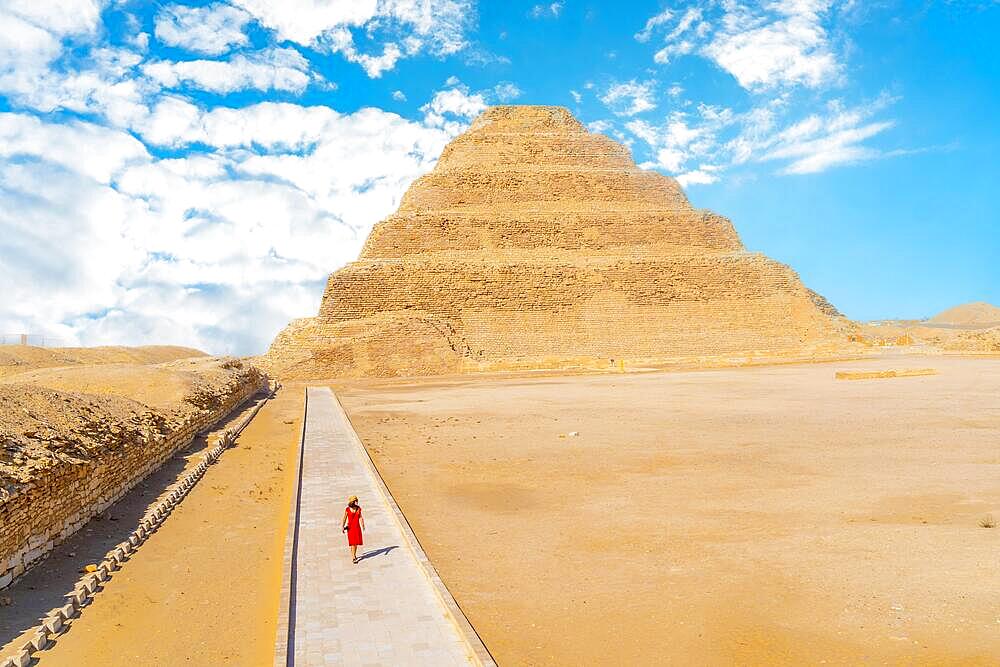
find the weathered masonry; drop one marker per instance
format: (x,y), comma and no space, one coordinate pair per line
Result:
(59,500)
(536,244)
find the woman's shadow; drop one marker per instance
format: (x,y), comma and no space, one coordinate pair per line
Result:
(377,552)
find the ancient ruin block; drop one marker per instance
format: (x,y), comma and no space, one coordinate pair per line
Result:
(536,244)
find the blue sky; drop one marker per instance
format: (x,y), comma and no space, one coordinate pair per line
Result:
(191,172)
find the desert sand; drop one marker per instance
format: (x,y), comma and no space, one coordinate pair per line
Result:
(770,515)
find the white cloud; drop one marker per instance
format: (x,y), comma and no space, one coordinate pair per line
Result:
(651,24)
(547,10)
(599,126)
(303,21)
(790,50)
(718,138)
(630,98)
(458,103)
(374,66)
(824,147)
(781,43)
(218,249)
(577,97)
(212,30)
(31,36)
(674,142)
(62,17)
(91,150)
(107,87)
(399,95)
(702,176)
(412,26)
(441,23)
(270,69)
(505,91)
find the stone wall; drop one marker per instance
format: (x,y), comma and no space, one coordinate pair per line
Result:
(40,514)
(536,244)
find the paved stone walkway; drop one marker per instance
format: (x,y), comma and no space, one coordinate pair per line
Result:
(390,608)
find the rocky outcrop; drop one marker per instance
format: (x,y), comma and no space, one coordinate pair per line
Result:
(536,244)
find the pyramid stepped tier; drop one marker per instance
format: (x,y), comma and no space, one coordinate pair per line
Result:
(535,244)
(587,232)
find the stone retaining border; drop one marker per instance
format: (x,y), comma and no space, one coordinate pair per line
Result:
(91,583)
(285,640)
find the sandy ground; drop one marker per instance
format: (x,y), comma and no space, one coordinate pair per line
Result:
(204,589)
(756,516)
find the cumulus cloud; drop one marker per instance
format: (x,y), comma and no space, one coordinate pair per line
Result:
(451,108)
(212,30)
(630,98)
(91,150)
(218,249)
(65,17)
(303,21)
(32,36)
(270,69)
(341,41)
(394,29)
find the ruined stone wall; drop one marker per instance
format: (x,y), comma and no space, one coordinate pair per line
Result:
(534,243)
(37,516)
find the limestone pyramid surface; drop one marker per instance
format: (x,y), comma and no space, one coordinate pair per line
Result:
(536,244)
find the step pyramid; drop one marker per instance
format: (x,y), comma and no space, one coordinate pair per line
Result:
(536,244)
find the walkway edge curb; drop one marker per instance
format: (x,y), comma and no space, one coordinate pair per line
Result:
(284,645)
(468,633)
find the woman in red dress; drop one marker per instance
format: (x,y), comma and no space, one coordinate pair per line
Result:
(353,524)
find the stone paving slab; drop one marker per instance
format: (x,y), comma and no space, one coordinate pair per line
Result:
(390,608)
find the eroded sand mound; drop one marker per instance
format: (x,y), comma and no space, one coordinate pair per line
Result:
(19,358)
(978,314)
(980,340)
(536,244)
(63,415)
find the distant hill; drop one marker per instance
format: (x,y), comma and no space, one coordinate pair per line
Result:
(977,314)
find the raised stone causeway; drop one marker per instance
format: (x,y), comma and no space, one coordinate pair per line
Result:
(389,609)
(536,244)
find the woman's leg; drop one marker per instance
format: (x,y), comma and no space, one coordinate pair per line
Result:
(354,552)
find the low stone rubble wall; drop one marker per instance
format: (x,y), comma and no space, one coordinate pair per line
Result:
(41,514)
(59,619)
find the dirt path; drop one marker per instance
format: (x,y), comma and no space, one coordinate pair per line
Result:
(203,590)
(759,516)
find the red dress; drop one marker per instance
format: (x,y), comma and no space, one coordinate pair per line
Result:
(354,528)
